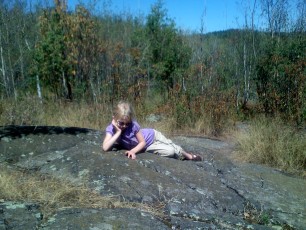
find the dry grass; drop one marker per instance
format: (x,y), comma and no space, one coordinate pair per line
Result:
(273,143)
(199,116)
(30,111)
(53,194)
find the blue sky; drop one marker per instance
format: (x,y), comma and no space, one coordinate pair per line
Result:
(217,14)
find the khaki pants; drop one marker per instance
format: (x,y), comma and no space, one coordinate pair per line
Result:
(164,146)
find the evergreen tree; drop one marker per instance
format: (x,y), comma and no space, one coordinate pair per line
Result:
(51,62)
(168,54)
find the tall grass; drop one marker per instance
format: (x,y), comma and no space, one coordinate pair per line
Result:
(178,117)
(30,111)
(273,143)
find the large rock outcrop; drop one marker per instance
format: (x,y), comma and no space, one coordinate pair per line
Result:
(216,193)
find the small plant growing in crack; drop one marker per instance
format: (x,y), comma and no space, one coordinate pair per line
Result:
(255,216)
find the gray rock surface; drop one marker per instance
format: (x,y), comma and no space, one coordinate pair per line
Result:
(216,193)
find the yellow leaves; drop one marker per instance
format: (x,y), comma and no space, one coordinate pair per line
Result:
(136,53)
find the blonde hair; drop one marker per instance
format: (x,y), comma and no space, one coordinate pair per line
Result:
(123,110)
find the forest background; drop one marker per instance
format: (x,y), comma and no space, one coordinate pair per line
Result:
(68,68)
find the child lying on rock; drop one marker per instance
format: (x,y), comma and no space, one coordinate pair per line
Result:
(125,131)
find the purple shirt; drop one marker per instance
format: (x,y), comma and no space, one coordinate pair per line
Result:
(128,138)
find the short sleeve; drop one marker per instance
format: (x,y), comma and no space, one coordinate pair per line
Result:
(135,127)
(110,129)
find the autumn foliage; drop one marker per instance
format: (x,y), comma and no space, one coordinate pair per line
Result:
(193,78)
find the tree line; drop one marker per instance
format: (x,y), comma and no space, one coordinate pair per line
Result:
(51,52)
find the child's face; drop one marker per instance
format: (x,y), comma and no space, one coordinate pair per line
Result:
(123,122)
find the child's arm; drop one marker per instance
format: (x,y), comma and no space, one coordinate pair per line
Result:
(110,140)
(141,144)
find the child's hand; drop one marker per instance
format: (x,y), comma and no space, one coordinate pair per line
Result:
(130,154)
(114,123)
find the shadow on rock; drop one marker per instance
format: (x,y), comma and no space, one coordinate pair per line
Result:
(14,131)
